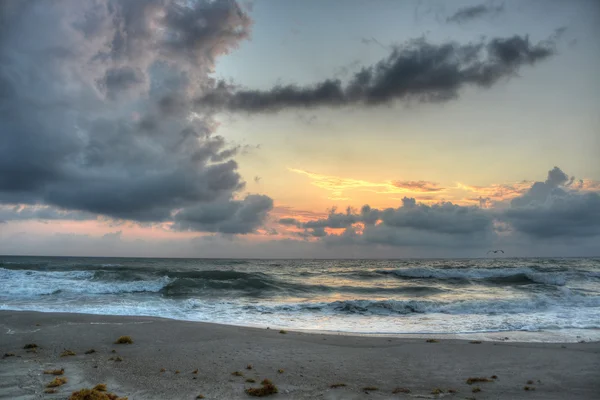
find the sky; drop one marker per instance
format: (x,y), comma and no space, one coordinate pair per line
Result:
(312,129)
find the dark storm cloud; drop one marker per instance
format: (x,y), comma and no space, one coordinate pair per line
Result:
(467,14)
(419,71)
(117,80)
(563,215)
(555,208)
(233,217)
(72,140)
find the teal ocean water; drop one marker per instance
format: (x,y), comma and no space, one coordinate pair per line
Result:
(441,296)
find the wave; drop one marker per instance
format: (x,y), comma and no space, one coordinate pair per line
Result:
(404,307)
(521,275)
(27,283)
(210,283)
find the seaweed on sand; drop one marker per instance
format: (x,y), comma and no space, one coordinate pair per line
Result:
(124,340)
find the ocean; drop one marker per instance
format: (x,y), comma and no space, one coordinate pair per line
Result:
(549,299)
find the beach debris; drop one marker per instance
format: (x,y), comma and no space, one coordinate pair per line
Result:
(38,324)
(337,385)
(251,380)
(237,373)
(177,371)
(56,382)
(471,381)
(113,351)
(200,396)
(475,342)
(452,391)
(30,346)
(432,341)
(124,340)
(68,353)
(530,382)
(162,370)
(283,331)
(437,391)
(401,390)
(267,388)
(94,394)
(50,390)
(54,371)
(8,355)
(116,359)
(528,388)
(280,371)
(370,388)
(249,366)
(476,389)
(101,387)
(90,351)
(195,371)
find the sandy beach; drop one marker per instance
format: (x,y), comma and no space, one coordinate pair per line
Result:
(309,363)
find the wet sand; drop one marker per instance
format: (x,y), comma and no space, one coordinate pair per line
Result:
(311,363)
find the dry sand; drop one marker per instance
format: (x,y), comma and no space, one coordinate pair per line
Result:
(310,362)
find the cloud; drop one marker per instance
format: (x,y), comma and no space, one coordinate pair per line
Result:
(339,186)
(25,212)
(418,186)
(496,193)
(113,235)
(289,221)
(560,207)
(117,80)
(413,223)
(467,14)
(418,71)
(555,208)
(95,104)
(233,217)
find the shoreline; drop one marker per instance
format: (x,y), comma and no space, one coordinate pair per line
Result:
(582,335)
(311,362)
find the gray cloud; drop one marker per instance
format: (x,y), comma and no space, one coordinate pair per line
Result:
(71,137)
(117,80)
(411,224)
(467,14)
(419,71)
(555,208)
(289,221)
(233,217)
(19,213)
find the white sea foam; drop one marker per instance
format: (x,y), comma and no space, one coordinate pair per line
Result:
(27,283)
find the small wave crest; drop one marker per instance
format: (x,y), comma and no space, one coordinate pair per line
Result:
(522,275)
(403,307)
